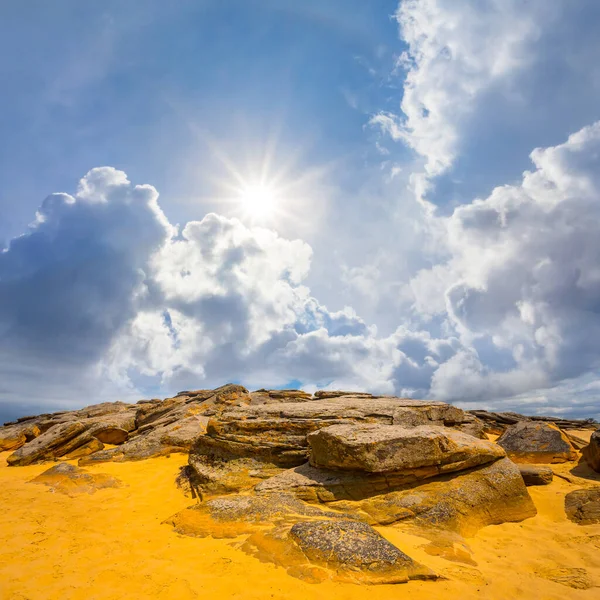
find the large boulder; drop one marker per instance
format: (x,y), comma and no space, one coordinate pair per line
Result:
(69,479)
(377,448)
(355,552)
(462,501)
(583,506)
(591,453)
(536,442)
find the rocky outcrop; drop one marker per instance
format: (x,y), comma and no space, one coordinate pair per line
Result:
(68,479)
(536,474)
(276,434)
(591,453)
(161,441)
(393,449)
(583,506)
(499,421)
(54,443)
(536,442)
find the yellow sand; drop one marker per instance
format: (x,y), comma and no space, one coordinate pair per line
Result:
(112,545)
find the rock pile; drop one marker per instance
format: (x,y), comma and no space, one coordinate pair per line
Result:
(306,477)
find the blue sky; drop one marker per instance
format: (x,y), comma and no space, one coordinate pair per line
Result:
(399,197)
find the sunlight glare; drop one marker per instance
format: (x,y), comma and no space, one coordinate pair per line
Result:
(259,200)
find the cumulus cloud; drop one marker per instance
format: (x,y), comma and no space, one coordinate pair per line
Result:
(456,50)
(526,277)
(103,288)
(103,296)
(484,82)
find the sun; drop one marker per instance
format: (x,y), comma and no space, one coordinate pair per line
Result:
(258,200)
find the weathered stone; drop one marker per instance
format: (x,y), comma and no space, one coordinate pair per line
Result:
(86,449)
(52,444)
(500,420)
(234,515)
(14,436)
(591,453)
(536,442)
(260,397)
(356,550)
(583,506)
(386,449)
(463,501)
(276,433)
(324,394)
(112,435)
(176,437)
(71,480)
(535,474)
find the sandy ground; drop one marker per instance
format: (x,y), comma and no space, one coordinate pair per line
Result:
(112,545)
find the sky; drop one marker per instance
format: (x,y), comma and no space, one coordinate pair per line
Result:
(394,197)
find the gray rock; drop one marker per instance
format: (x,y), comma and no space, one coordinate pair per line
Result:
(536,475)
(583,506)
(536,442)
(356,548)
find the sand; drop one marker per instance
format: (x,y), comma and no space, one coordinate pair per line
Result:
(112,545)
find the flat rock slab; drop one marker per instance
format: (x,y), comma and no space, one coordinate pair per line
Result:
(583,506)
(536,474)
(591,452)
(536,442)
(377,448)
(71,480)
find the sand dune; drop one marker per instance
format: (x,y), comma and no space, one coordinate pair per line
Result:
(111,544)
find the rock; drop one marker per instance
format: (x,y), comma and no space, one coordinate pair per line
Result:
(591,453)
(393,449)
(577,442)
(536,442)
(112,435)
(90,447)
(324,394)
(162,441)
(464,501)
(54,443)
(356,551)
(234,515)
(17,435)
(278,396)
(583,506)
(535,475)
(69,479)
(276,433)
(500,420)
